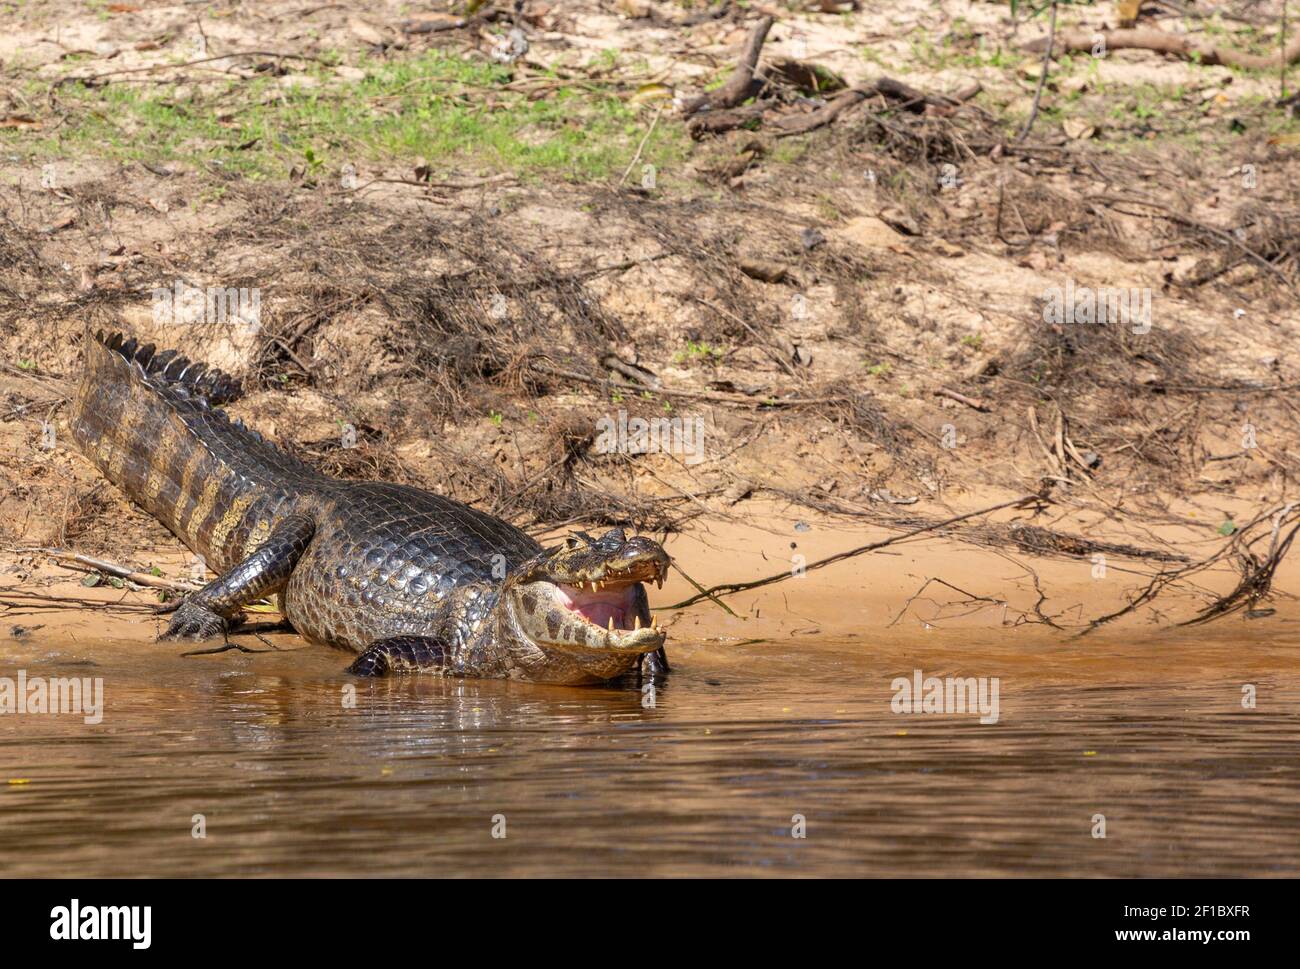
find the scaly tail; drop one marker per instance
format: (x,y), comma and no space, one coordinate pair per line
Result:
(147,420)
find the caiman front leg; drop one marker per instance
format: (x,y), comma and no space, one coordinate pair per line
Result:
(401,654)
(210,611)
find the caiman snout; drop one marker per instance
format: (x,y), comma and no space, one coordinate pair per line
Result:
(611,559)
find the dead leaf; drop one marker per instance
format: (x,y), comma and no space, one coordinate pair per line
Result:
(1030,69)
(1077,129)
(634,9)
(738,492)
(1127,11)
(651,92)
(19,121)
(768,272)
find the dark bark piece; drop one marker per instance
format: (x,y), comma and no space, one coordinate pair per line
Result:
(716,122)
(741,83)
(798,124)
(767,272)
(806,76)
(909,97)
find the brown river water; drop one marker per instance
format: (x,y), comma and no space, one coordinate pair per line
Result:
(413,779)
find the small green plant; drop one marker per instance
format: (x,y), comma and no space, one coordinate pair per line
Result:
(699,353)
(606,60)
(496,417)
(881,369)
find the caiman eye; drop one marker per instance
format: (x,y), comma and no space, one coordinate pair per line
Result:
(570,542)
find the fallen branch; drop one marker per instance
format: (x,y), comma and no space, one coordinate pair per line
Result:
(1173,216)
(684,394)
(113,569)
(917,101)
(641,147)
(1030,538)
(1256,578)
(636,374)
(716,122)
(1162,42)
(970,402)
(798,124)
(433,26)
(1042,77)
(1256,581)
(22,602)
(908,98)
(1047,541)
(85,78)
(739,86)
(1047,451)
(970,597)
(728,588)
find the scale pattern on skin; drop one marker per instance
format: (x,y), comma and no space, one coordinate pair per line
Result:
(425,583)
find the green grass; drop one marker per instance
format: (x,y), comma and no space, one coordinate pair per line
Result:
(699,353)
(446,109)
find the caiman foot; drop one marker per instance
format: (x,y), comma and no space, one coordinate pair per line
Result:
(654,666)
(194,622)
(403,654)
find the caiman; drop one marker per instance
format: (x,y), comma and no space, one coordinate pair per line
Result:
(412,581)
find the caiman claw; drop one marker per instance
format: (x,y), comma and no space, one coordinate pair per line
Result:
(194,622)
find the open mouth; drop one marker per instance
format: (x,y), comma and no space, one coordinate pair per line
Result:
(614,600)
(606,608)
(590,595)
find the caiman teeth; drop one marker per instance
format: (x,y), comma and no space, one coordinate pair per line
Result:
(611,623)
(638,623)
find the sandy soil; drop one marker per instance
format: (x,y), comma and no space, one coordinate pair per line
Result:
(821,305)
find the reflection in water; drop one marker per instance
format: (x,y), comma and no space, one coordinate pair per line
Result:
(292,779)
